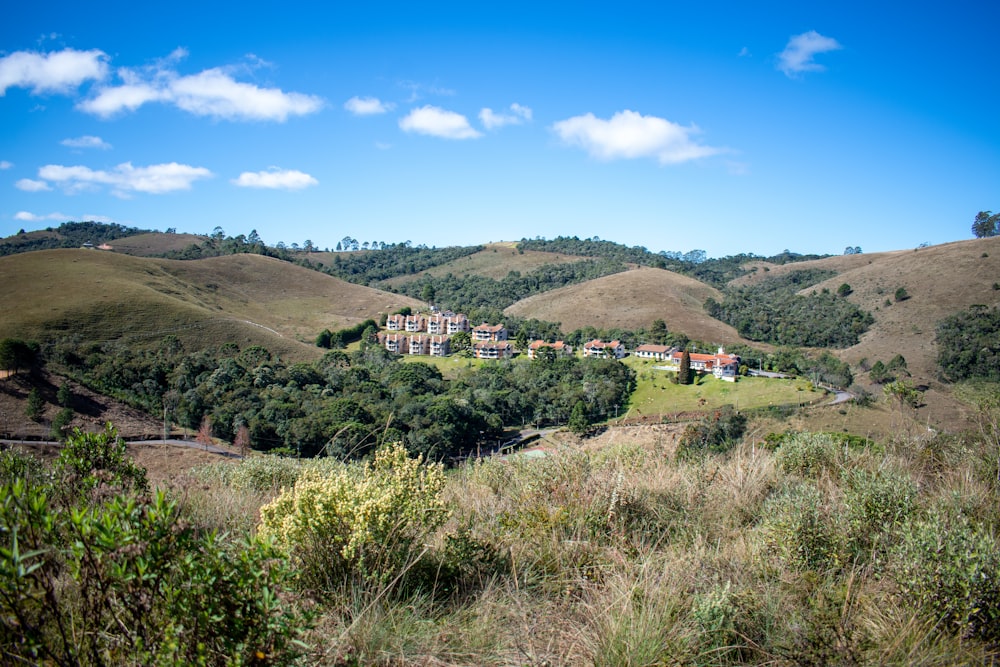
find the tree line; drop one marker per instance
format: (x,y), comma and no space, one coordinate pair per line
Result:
(773,311)
(344,404)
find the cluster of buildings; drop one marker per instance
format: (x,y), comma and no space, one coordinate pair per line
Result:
(431,335)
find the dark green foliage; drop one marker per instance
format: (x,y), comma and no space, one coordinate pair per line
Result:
(772,311)
(684,374)
(344,404)
(35,407)
(844,290)
(969,344)
(716,272)
(72,235)
(901,294)
(717,432)
(397,259)
(59,424)
(986,224)
(16,354)
(65,395)
(470,293)
(88,460)
(578,420)
(128,581)
(949,568)
(828,369)
(344,337)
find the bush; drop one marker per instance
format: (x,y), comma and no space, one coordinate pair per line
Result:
(877,504)
(88,460)
(950,569)
(802,530)
(718,432)
(366,520)
(130,582)
(807,454)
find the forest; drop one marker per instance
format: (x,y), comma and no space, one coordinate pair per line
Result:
(772,311)
(345,404)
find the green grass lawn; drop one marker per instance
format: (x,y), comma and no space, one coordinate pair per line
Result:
(656,394)
(449,366)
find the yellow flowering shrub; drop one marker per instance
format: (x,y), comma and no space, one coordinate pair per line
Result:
(368,520)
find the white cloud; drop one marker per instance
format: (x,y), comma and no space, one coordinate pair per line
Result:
(367,106)
(125,179)
(4,164)
(519,115)
(275,179)
(629,134)
(212,92)
(27,216)
(437,122)
(86,141)
(58,72)
(29,185)
(800,50)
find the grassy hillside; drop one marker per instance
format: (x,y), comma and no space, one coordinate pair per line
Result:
(248,299)
(630,300)
(154,244)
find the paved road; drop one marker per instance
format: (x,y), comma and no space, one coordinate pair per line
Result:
(222,451)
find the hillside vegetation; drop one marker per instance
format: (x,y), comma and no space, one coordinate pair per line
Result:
(706,544)
(246,299)
(630,300)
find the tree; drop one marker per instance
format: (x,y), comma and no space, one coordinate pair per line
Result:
(658,332)
(339,247)
(986,224)
(902,294)
(65,395)
(578,421)
(461,341)
(684,375)
(15,354)
(428,293)
(521,340)
(844,290)
(36,405)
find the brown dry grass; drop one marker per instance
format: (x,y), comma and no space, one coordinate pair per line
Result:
(246,299)
(156,243)
(631,299)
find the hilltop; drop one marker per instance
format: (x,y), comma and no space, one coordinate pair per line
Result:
(248,299)
(630,300)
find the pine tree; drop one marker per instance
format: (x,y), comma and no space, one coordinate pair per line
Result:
(684,375)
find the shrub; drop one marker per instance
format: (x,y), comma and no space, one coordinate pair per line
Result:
(807,454)
(802,531)
(88,460)
(717,432)
(365,520)
(877,504)
(950,570)
(129,582)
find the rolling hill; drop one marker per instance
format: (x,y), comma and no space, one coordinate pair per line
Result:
(630,300)
(248,299)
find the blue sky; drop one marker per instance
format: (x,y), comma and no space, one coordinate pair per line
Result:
(730,127)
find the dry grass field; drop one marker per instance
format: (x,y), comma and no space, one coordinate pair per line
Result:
(147,245)
(247,299)
(630,300)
